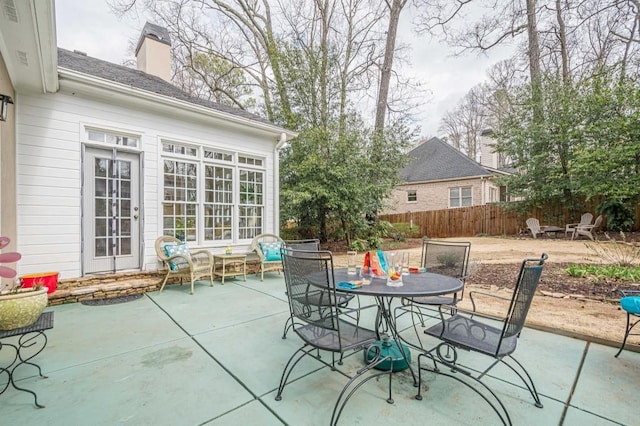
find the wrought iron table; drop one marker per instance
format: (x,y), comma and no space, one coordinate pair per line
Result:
(413,285)
(31,342)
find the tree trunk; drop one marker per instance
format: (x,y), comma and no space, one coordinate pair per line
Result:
(385,75)
(534,61)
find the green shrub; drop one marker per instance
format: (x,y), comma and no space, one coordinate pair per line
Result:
(598,272)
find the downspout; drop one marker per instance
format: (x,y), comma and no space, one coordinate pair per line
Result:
(276,180)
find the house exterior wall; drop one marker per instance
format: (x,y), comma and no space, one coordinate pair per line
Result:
(7,163)
(435,195)
(50,135)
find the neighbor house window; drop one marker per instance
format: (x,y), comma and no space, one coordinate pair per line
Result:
(460,197)
(211,195)
(412,196)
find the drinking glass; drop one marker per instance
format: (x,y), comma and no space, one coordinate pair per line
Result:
(351,262)
(404,263)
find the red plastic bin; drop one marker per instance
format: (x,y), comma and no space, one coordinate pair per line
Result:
(47,279)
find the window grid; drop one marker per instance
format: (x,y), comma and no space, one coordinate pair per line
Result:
(412,195)
(460,197)
(218,204)
(180,205)
(231,204)
(251,203)
(112,138)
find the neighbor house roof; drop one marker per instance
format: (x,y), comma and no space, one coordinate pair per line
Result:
(82,63)
(437,160)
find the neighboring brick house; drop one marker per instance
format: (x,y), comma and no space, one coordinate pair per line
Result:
(441,177)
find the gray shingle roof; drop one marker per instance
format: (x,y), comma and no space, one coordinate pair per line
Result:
(437,160)
(141,80)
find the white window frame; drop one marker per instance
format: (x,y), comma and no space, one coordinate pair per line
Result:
(210,231)
(460,197)
(410,193)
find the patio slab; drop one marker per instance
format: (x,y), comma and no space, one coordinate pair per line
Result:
(216,357)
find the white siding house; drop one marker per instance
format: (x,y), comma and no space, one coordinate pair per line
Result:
(117,157)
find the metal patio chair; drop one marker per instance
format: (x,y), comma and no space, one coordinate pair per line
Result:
(180,261)
(485,334)
(318,298)
(324,328)
(630,303)
(450,258)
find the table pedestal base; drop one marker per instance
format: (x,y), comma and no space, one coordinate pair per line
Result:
(400,357)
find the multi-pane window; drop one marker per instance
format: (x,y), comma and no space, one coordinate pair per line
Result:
(412,195)
(460,197)
(112,138)
(112,203)
(250,203)
(180,206)
(218,203)
(210,194)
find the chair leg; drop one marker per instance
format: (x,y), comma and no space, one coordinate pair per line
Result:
(166,277)
(192,282)
(627,332)
(489,395)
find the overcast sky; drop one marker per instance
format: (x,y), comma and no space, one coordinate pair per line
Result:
(89,26)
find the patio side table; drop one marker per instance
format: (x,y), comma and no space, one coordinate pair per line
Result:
(31,342)
(235,260)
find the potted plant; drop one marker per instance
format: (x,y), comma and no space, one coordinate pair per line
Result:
(19,307)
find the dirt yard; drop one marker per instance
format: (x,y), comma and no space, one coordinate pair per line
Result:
(566,305)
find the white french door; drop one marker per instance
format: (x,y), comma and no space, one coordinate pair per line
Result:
(111,210)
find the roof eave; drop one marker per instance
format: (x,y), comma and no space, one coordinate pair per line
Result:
(85,79)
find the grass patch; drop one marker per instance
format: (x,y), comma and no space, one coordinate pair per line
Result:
(597,272)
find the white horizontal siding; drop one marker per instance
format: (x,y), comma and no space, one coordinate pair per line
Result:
(49,134)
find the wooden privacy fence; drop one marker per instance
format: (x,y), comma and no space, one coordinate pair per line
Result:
(461,222)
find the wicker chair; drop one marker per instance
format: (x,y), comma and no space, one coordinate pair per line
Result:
(191,264)
(268,263)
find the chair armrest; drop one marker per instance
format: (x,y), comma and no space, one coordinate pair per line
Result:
(472,313)
(179,256)
(202,255)
(482,293)
(626,293)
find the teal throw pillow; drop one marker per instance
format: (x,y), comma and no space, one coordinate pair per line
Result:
(271,251)
(272,255)
(174,249)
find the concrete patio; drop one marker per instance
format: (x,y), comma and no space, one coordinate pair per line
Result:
(216,358)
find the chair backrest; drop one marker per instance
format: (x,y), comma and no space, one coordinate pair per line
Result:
(264,238)
(586,219)
(311,244)
(534,225)
(449,258)
(161,242)
(525,289)
(597,224)
(306,271)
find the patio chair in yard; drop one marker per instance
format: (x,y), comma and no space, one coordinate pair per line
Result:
(630,303)
(440,257)
(533,225)
(585,219)
(324,328)
(180,261)
(588,231)
(488,335)
(267,247)
(315,297)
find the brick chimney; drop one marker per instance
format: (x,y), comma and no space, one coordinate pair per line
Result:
(153,53)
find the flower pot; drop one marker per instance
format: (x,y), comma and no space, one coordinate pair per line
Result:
(46,279)
(21,308)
